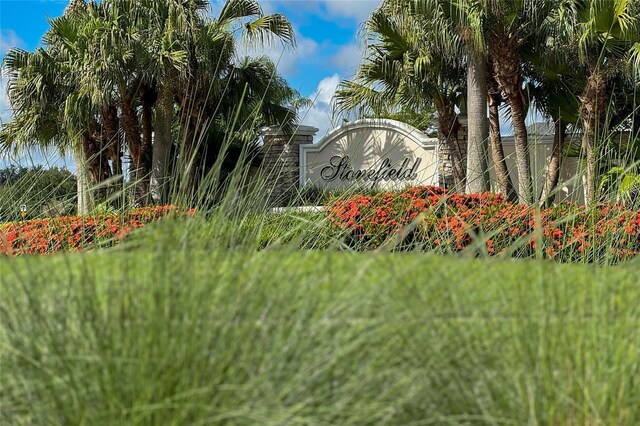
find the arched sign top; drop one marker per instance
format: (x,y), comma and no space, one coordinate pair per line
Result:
(404,129)
(372,152)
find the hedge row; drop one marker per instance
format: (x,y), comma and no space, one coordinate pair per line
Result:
(74,233)
(429,218)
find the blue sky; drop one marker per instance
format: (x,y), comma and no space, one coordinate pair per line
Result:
(327,35)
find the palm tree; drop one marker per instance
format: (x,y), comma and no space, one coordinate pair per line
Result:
(461,21)
(477,132)
(211,58)
(557,79)
(85,114)
(72,33)
(186,58)
(511,28)
(171,24)
(494,96)
(404,68)
(606,35)
(127,67)
(49,108)
(37,95)
(151,55)
(255,97)
(495,28)
(114,72)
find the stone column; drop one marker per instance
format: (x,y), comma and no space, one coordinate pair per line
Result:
(445,166)
(462,138)
(281,162)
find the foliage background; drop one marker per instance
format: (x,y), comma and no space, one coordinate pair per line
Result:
(46,192)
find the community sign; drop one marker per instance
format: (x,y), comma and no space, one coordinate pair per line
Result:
(373,153)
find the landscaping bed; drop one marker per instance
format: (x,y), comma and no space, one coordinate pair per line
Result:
(74,233)
(431,219)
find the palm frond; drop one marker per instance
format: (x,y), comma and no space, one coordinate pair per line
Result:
(238,9)
(269,27)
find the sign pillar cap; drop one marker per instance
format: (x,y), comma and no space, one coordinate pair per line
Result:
(299,130)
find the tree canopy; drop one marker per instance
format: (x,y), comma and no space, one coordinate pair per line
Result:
(576,62)
(145,89)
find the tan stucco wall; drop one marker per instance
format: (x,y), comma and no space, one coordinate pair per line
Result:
(569,188)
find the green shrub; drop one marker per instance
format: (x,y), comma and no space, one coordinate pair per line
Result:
(431,219)
(45,192)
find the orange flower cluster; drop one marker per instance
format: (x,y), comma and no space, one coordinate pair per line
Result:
(429,218)
(75,233)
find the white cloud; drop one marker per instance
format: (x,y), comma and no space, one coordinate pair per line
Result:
(5,106)
(8,40)
(343,58)
(357,10)
(347,58)
(326,89)
(286,58)
(320,114)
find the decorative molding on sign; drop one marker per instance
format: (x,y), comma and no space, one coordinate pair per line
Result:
(404,129)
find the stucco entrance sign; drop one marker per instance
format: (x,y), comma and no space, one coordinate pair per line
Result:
(370,153)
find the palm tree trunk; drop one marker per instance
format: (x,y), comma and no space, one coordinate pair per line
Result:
(588,148)
(518,116)
(448,127)
(96,161)
(505,186)
(147,142)
(133,139)
(477,168)
(555,163)
(592,115)
(114,151)
(82,182)
(193,126)
(111,127)
(508,73)
(162,144)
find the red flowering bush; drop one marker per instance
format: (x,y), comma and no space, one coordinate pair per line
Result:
(429,218)
(74,233)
